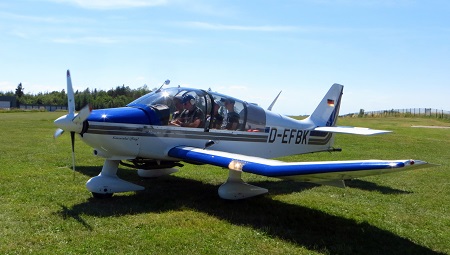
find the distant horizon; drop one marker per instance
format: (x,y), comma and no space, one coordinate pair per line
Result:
(340,113)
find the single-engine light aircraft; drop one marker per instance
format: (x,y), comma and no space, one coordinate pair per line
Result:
(158,131)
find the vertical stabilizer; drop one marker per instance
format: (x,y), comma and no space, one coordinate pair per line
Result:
(327,111)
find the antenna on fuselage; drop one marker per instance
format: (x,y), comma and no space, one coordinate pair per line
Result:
(274,101)
(165,83)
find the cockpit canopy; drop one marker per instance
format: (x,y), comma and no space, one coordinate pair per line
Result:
(162,104)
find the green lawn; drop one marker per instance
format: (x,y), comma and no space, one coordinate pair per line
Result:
(46,209)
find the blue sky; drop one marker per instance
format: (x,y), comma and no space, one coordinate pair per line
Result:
(387,53)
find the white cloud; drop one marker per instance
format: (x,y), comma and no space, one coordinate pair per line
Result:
(86,40)
(367,3)
(41,19)
(212,26)
(114,4)
(6,86)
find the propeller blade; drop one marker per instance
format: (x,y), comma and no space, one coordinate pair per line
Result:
(70,95)
(58,133)
(72,137)
(83,114)
(72,122)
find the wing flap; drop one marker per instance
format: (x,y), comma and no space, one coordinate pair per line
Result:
(301,171)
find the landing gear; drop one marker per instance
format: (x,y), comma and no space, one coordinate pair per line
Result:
(235,188)
(107,183)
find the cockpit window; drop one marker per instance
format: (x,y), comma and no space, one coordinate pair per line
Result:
(256,120)
(172,99)
(231,113)
(217,111)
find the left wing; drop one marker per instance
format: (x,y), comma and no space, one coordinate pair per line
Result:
(318,172)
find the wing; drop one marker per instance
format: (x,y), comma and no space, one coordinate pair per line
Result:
(317,172)
(352,130)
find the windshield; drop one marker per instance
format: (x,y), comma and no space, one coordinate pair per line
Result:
(159,97)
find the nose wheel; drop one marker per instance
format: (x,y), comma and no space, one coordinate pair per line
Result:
(107,183)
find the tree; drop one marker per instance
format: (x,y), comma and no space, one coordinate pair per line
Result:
(19,90)
(19,94)
(361,113)
(120,96)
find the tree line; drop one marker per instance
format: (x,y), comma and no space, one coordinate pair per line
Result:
(115,97)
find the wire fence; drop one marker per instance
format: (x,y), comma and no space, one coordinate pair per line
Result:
(407,112)
(49,108)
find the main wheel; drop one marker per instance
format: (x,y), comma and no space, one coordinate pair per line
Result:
(102,195)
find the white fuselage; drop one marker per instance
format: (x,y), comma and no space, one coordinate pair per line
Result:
(283,136)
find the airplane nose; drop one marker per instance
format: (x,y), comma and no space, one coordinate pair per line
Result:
(72,122)
(66,124)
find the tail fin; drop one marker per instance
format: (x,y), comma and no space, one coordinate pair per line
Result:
(327,111)
(325,115)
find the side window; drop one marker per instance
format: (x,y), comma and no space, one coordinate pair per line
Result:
(216,112)
(227,113)
(256,120)
(235,114)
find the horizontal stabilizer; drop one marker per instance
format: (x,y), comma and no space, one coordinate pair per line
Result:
(352,130)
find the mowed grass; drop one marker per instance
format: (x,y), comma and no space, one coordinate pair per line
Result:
(46,209)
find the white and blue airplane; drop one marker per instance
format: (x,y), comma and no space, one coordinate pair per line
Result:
(144,136)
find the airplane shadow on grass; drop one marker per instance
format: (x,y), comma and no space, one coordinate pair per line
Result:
(370,186)
(306,227)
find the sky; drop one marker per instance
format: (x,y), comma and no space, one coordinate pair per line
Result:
(389,54)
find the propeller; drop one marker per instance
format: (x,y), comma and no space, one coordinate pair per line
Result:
(72,122)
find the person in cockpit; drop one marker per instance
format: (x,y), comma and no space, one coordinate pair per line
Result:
(192,116)
(232,121)
(217,119)
(179,108)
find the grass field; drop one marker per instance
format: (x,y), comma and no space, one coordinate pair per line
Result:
(46,209)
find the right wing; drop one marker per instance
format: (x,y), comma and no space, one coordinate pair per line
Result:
(317,172)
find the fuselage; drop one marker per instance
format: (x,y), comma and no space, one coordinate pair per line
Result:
(143,130)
